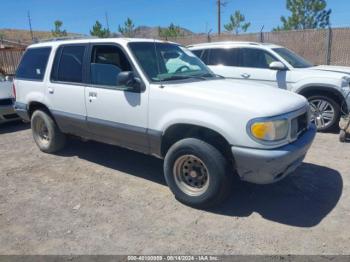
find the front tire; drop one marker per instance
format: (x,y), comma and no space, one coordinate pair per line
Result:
(197,173)
(325,112)
(46,133)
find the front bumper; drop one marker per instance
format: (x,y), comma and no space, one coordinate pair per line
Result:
(269,166)
(7,114)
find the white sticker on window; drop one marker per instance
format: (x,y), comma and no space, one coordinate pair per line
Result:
(38,72)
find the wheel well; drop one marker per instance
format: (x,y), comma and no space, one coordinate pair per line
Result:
(331,93)
(181,131)
(35,106)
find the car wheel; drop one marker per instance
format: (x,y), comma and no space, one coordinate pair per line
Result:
(197,173)
(46,133)
(325,112)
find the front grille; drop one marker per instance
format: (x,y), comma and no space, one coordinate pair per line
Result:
(299,125)
(6,102)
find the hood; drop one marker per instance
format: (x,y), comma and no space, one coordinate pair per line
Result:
(335,69)
(262,100)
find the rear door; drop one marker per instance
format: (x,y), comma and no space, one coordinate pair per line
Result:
(66,88)
(224,61)
(114,114)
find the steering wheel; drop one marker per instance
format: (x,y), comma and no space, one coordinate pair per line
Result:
(180,69)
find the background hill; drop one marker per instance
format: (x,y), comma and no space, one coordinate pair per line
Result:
(24,35)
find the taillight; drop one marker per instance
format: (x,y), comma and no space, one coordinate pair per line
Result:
(14,90)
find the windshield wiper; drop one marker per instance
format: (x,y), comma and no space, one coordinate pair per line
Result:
(208,75)
(204,76)
(175,77)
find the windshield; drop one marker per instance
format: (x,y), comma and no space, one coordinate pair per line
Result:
(168,62)
(292,58)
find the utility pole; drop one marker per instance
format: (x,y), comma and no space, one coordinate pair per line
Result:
(30,26)
(219,5)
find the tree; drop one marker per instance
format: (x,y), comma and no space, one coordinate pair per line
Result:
(99,31)
(306,14)
(57,32)
(237,23)
(128,29)
(170,31)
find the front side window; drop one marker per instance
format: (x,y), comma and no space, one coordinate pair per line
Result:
(167,62)
(256,58)
(107,61)
(292,58)
(224,56)
(69,63)
(33,64)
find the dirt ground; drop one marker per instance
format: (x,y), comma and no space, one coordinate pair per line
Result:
(99,199)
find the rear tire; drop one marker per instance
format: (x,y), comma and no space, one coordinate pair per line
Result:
(325,112)
(46,133)
(197,173)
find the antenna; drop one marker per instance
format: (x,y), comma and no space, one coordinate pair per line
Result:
(30,26)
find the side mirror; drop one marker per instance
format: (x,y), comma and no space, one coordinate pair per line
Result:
(129,80)
(279,66)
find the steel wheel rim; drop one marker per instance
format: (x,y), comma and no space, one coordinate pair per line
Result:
(191,175)
(41,131)
(323,113)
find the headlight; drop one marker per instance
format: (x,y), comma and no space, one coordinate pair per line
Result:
(274,130)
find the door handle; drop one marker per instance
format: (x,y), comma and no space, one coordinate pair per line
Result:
(92,95)
(245,75)
(51,90)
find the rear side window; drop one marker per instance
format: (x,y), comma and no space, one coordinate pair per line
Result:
(68,65)
(223,56)
(33,64)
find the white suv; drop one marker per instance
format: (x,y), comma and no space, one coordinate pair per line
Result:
(158,98)
(326,87)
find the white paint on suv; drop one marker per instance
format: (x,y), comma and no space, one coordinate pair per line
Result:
(158,98)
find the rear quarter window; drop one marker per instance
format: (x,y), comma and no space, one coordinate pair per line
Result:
(33,64)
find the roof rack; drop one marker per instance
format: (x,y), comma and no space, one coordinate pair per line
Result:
(65,38)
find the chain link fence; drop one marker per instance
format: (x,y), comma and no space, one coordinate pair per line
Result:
(320,46)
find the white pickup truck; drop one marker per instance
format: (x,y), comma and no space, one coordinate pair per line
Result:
(158,98)
(7,112)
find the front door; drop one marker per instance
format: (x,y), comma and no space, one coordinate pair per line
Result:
(114,115)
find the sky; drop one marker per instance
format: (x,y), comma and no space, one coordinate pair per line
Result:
(78,16)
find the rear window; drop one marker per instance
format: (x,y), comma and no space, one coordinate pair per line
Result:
(33,64)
